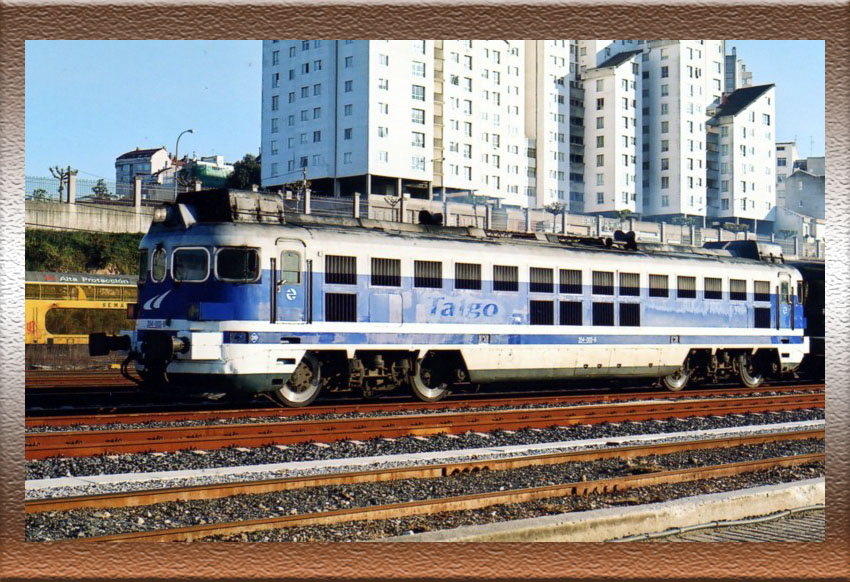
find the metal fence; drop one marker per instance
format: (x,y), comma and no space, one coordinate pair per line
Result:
(95,190)
(42,188)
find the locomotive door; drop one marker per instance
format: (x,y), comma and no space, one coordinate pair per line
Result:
(290,298)
(784,300)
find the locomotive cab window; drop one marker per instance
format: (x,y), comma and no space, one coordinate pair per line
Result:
(290,268)
(237,265)
(143,265)
(190,265)
(158,265)
(505,278)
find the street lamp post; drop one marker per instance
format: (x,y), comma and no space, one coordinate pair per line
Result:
(177,157)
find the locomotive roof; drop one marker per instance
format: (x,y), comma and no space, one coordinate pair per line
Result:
(225,205)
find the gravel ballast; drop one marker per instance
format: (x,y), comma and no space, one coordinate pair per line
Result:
(86,523)
(188,460)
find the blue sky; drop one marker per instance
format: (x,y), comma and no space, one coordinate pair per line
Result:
(87,102)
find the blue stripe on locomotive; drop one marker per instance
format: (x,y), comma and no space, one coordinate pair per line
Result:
(250,302)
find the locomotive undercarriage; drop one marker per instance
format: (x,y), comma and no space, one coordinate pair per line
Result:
(712,367)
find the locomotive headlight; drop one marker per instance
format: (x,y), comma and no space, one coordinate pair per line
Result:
(160,214)
(193,312)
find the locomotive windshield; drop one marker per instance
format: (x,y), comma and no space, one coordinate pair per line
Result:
(158,267)
(190,265)
(237,265)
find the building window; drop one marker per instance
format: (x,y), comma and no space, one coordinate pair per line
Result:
(275,127)
(417,139)
(419,46)
(600,122)
(713,288)
(346,158)
(600,141)
(349,62)
(275,102)
(600,198)
(665,90)
(417,116)
(540,280)
(305,92)
(467,276)
(384,59)
(383,131)
(687,288)
(317,89)
(541,313)
(275,80)
(386,272)
(317,136)
(505,278)
(600,160)
(418,69)
(305,68)
(348,86)
(340,270)
(603,314)
(665,72)
(570,313)
(346,133)
(417,92)
(304,115)
(383,157)
(274,147)
(348,110)
(418,163)
(658,286)
(383,84)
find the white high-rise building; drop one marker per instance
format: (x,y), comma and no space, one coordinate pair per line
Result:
(612,135)
(745,122)
(786,155)
(681,79)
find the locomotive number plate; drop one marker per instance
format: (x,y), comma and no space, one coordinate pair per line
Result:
(155,324)
(483,338)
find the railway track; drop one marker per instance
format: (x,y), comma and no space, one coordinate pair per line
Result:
(102,418)
(639,478)
(74,379)
(79,443)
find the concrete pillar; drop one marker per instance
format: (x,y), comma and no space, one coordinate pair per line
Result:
(488,214)
(255,188)
(773,237)
(137,194)
(817,249)
(401,207)
(527,219)
(336,188)
(72,186)
(430,191)
(198,185)
(631,224)
(661,233)
(599,225)
(356,201)
(693,230)
(306,201)
(796,246)
(368,185)
(398,187)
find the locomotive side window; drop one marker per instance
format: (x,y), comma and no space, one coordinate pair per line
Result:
(658,286)
(340,307)
(143,265)
(570,281)
(541,280)
(687,287)
(603,314)
(630,284)
(785,292)
(340,270)
(541,313)
(290,267)
(737,290)
(603,283)
(505,278)
(761,291)
(190,265)
(237,265)
(630,314)
(467,276)
(571,312)
(713,288)
(386,272)
(158,265)
(428,274)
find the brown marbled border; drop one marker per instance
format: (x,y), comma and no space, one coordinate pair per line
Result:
(136,19)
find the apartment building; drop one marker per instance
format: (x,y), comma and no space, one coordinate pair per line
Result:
(786,155)
(612,138)
(744,122)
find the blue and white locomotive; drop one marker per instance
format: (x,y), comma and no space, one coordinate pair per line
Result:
(236,296)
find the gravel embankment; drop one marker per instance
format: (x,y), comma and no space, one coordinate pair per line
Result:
(187,460)
(86,523)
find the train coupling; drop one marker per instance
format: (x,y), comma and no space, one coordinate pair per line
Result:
(100,344)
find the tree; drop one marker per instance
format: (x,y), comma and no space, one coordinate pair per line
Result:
(246,172)
(554,208)
(684,220)
(101,191)
(61,174)
(39,194)
(786,234)
(624,214)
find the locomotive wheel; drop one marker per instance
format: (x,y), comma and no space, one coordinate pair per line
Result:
(303,386)
(677,380)
(427,382)
(746,372)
